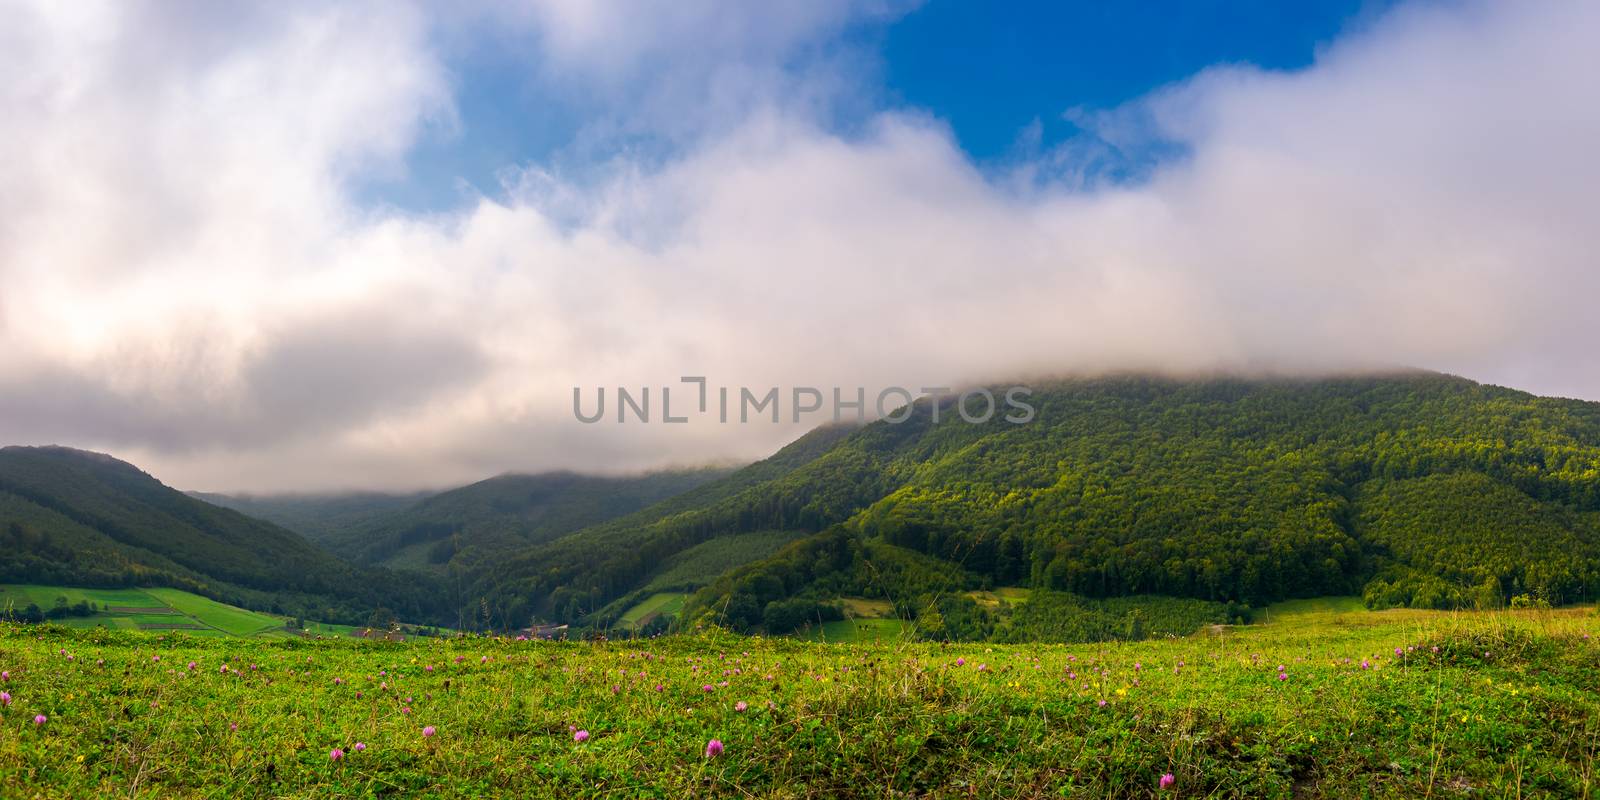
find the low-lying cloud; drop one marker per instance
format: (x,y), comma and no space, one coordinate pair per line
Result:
(186,281)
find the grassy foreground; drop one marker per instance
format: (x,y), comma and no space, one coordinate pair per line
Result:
(1316,703)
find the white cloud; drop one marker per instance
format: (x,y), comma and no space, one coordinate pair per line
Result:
(188,283)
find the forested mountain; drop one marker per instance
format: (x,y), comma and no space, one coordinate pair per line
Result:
(629,550)
(75,517)
(1413,488)
(486,519)
(1408,489)
(320,518)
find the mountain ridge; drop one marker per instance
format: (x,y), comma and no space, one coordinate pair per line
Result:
(77,516)
(1234,490)
(1409,488)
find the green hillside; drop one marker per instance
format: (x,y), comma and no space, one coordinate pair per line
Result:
(701,564)
(1433,490)
(561,578)
(69,517)
(488,518)
(320,518)
(1131,506)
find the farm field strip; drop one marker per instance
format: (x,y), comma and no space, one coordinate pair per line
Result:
(658,604)
(19,594)
(228,619)
(149,609)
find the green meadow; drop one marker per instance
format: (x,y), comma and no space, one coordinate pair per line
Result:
(1322,701)
(154,609)
(660,604)
(865,629)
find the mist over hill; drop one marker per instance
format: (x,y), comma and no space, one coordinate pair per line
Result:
(318,517)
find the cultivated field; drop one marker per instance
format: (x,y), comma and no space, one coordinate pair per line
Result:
(155,609)
(1322,701)
(656,605)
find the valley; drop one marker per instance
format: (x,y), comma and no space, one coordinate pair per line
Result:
(803,400)
(1132,506)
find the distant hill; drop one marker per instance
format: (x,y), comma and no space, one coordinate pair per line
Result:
(612,540)
(320,518)
(1129,505)
(71,517)
(489,518)
(1410,488)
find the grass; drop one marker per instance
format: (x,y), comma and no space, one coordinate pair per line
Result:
(867,608)
(857,630)
(1318,606)
(1011,595)
(659,604)
(228,619)
(156,608)
(328,629)
(98,622)
(1507,706)
(19,595)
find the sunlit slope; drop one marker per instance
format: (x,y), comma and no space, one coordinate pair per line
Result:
(1226,490)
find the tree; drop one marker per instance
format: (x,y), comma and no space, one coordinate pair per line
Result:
(930,624)
(381,619)
(1488,595)
(785,616)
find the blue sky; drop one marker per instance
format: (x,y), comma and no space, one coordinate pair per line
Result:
(1001,81)
(989,75)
